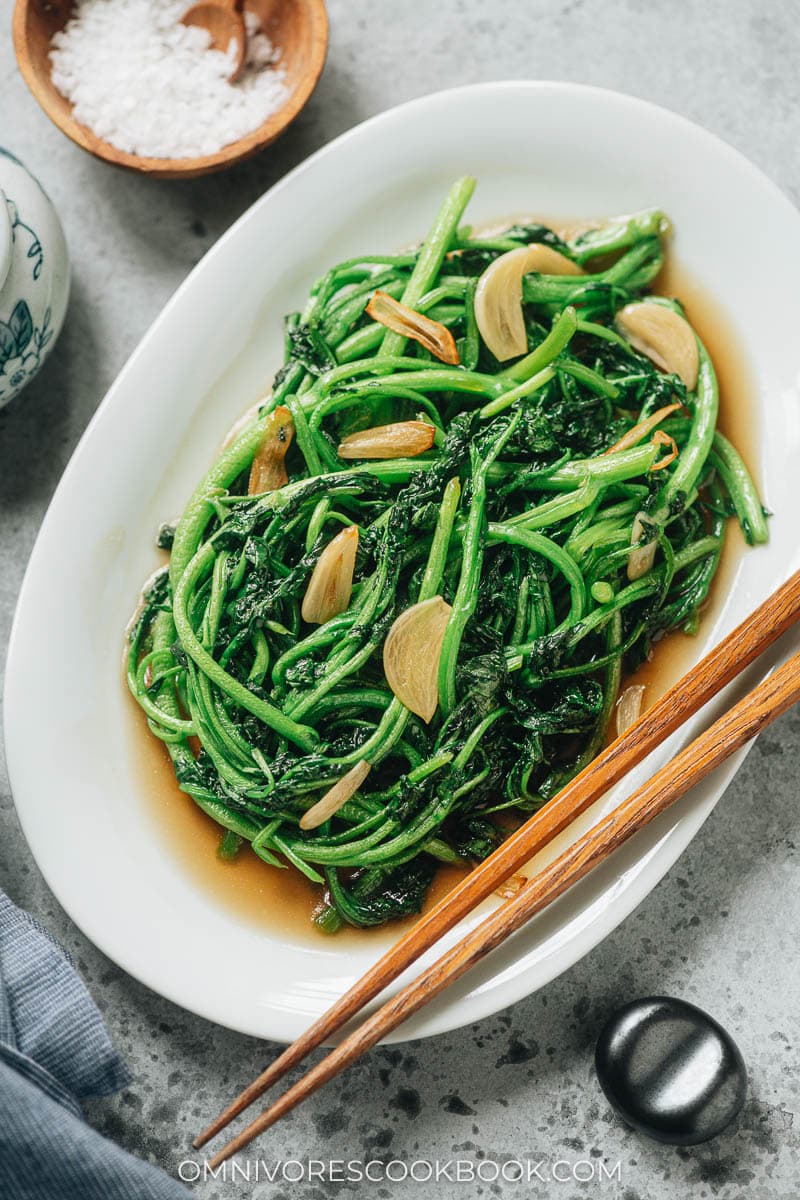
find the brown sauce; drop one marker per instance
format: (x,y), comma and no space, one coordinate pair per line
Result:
(279,902)
(282,902)
(674,654)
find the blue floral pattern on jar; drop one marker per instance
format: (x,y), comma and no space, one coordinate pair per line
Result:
(21,347)
(34,276)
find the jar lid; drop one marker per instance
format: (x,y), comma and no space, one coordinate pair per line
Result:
(6,238)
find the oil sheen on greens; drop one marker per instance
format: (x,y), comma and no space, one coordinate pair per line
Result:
(262,713)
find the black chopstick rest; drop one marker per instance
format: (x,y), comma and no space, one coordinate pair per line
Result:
(670,1070)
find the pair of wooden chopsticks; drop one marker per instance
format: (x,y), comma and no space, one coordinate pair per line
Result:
(736,727)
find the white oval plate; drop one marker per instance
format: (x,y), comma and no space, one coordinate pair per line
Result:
(551,148)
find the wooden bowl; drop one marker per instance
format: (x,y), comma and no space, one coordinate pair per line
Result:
(299,28)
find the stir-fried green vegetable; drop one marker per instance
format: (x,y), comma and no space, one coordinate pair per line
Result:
(505,551)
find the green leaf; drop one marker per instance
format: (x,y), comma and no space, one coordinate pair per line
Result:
(8,343)
(21,325)
(310,348)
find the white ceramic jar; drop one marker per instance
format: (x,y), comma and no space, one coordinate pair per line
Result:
(34,276)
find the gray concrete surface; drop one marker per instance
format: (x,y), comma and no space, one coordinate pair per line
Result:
(720,930)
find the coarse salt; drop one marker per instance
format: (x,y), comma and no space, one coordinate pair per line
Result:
(153,87)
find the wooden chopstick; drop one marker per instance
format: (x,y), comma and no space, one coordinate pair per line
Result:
(734,728)
(737,651)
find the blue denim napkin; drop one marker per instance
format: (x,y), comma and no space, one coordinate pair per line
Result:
(54,1053)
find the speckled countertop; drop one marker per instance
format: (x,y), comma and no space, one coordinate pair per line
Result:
(720,930)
